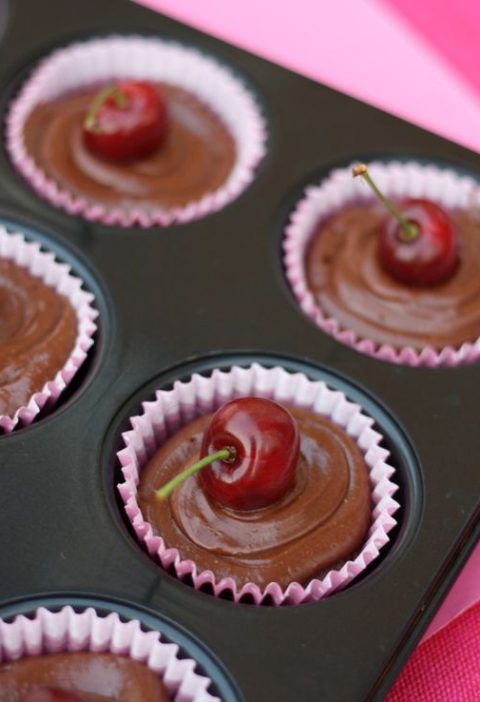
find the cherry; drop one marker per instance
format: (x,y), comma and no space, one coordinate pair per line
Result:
(430,256)
(418,243)
(126,121)
(251,448)
(50,694)
(263,438)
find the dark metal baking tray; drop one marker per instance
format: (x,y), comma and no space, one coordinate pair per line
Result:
(168,306)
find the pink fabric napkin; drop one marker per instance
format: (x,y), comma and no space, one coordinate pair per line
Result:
(446,668)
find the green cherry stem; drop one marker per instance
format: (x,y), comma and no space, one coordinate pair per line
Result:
(409,231)
(226,454)
(114,91)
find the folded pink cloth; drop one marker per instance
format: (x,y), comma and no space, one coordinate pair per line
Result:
(446,667)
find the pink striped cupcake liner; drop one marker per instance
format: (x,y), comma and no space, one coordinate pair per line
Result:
(339,189)
(201,395)
(99,61)
(58,276)
(68,630)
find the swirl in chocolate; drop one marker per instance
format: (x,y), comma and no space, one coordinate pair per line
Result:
(38,328)
(196,157)
(94,677)
(349,284)
(320,523)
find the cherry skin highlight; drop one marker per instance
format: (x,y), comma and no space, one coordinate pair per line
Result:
(126,121)
(50,694)
(264,440)
(430,256)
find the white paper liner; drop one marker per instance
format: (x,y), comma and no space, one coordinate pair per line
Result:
(397,180)
(201,395)
(68,630)
(43,265)
(133,57)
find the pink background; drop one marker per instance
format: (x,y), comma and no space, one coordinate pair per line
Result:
(367,48)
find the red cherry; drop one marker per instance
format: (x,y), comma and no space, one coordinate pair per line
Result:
(126,121)
(265,442)
(50,694)
(417,244)
(430,256)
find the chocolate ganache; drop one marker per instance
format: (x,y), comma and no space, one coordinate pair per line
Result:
(196,157)
(94,677)
(38,328)
(317,526)
(349,284)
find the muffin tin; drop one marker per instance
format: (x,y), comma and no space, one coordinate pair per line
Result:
(212,293)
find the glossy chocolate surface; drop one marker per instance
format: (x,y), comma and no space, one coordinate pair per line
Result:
(196,157)
(95,677)
(350,285)
(38,328)
(319,524)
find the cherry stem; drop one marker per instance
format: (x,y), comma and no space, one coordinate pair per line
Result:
(409,231)
(114,91)
(226,454)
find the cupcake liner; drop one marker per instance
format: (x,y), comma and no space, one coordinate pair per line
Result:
(42,264)
(397,180)
(68,630)
(200,395)
(101,60)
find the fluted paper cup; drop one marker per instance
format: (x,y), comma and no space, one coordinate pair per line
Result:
(99,61)
(202,395)
(68,630)
(42,264)
(398,180)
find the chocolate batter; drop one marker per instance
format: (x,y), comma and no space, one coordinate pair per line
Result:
(349,284)
(195,159)
(38,329)
(95,677)
(317,526)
